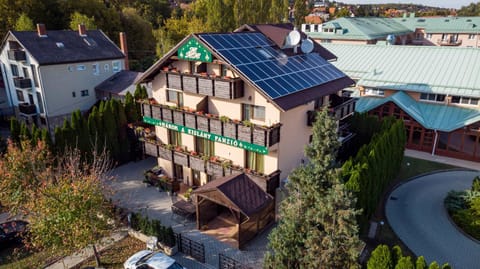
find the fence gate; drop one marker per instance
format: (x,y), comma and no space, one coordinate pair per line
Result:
(189,247)
(225,262)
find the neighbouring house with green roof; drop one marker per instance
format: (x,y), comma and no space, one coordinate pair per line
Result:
(435,90)
(426,31)
(358,30)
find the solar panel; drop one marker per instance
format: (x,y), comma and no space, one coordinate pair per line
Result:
(257,58)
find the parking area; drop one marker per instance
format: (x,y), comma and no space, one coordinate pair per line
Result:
(129,192)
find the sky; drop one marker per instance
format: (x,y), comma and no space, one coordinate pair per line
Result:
(434,3)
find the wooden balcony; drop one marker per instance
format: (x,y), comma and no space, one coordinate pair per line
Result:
(255,134)
(22,83)
(227,88)
(340,111)
(17,55)
(27,109)
(212,165)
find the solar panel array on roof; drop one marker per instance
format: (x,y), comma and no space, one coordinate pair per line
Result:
(278,75)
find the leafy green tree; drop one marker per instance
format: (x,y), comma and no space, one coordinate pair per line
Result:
(62,197)
(342,12)
(317,227)
(300,11)
(381,258)
(421,263)
(476,184)
(76,19)
(24,23)
(471,10)
(405,263)
(278,11)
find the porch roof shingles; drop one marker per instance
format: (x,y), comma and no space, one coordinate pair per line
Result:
(247,196)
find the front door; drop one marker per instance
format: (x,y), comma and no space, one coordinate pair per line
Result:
(195,178)
(178,171)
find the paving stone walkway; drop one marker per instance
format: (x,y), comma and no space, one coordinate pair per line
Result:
(416,213)
(129,192)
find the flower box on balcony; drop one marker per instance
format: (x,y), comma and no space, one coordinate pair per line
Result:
(189,83)
(165,153)
(156,112)
(180,158)
(215,126)
(230,129)
(215,169)
(178,117)
(244,133)
(174,81)
(202,123)
(167,114)
(197,163)
(205,86)
(190,120)
(259,136)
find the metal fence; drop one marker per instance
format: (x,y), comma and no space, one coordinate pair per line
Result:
(225,262)
(189,247)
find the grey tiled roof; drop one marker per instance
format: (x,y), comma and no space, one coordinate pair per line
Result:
(49,50)
(118,82)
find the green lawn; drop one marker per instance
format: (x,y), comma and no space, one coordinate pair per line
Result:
(413,167)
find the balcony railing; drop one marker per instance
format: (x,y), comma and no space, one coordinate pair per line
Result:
(27,109)
(212,165)
(221,126)
(227,88)
(17,55)
(449,42)
(339,112)
(22,83)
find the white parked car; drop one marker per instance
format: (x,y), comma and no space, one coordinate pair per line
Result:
(147,259)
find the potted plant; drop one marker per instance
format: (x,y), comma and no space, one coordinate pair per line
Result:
(188,195)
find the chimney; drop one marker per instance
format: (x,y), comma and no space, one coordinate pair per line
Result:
(42,31)
(123,47)
(82,30)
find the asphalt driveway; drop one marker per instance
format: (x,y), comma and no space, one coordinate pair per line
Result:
(416,213)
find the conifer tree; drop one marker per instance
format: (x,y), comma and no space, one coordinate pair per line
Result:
(300,11)
(434,265)
(47,139)
(405,263)
(25,132)
(15,129)
(59,140)
(317,226)
(381,258)
(421,263)
(131,109)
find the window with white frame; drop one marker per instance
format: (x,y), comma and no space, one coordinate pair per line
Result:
(175,97)
(253,112)
(465,100)
(106,68)
(14,69)
(374,91)
(429,36)
(96,69)
(432,97)
(84,93)
(80,67)
(471,36)
(116,66)
(20,96)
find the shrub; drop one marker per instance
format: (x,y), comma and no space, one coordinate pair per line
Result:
(476,184)
(153,227)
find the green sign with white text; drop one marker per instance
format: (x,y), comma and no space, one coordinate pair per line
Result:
(213,137)
(194,51)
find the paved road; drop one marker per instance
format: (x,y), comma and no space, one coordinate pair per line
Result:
(417,215)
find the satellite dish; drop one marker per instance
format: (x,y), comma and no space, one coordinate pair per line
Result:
(293,38)
(390,39)
(307,46)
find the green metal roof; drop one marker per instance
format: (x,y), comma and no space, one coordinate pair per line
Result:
(360,29)
(426,69)
(442,24)
(431,116)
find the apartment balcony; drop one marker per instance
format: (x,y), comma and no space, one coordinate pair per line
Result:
(221,87)
(215,166)
(17,55)
(340,108)
(22,83)
(258,138)
(27,109)
(449,42)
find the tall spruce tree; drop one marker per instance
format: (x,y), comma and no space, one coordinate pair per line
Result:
(318,226)
(421,263)
(381,258)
